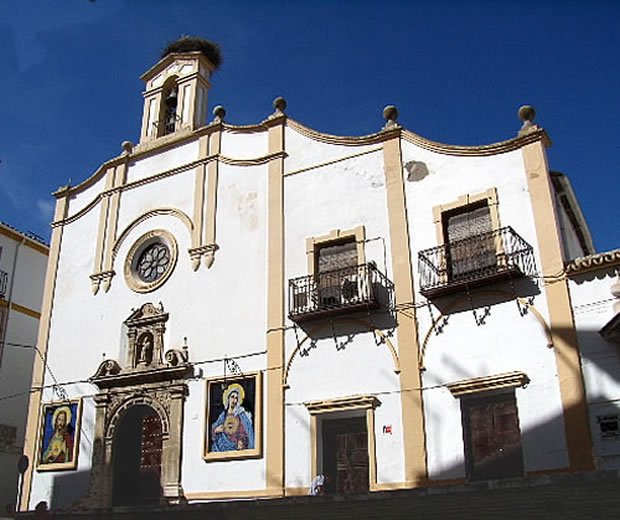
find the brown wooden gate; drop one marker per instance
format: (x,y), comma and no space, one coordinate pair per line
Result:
(137,458)
(492,437)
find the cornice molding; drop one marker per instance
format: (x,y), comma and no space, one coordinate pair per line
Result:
(592,262)
(481,150)
(487,383)
(355,402)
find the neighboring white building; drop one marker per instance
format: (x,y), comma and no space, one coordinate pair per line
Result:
(388,310)
(595,292)
(23,259)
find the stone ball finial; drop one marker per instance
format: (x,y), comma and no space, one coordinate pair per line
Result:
(219,112)
(279,104)
(390,113)
(127,146)
(527,113)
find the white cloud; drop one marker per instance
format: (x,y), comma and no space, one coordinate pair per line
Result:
(46,209)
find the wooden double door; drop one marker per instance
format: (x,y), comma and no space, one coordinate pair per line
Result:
(345,455)
(137,458)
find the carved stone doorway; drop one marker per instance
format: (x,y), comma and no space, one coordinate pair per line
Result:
(136,458)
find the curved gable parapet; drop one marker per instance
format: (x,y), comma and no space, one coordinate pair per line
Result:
(478,150)
(449,149)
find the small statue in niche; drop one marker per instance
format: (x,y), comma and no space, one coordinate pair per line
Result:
(145,351)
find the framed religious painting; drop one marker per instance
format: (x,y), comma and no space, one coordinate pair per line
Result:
(233,418)
(59,436)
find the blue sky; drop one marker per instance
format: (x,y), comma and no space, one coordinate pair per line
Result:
(457,71)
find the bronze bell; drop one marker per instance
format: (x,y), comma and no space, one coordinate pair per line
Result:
(171,100)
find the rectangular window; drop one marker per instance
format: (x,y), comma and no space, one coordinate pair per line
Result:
(492,436)
(470,244)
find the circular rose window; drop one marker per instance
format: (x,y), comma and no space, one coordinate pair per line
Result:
(150,261)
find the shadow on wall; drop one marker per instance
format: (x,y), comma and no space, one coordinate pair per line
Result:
(68,488)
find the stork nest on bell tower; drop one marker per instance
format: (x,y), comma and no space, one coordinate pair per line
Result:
(192,44)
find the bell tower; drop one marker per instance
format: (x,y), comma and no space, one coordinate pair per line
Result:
(176,87)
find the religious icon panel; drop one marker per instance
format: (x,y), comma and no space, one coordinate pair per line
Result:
(233,417)
(59,436)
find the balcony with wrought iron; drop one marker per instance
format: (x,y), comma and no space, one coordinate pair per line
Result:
(474,261)
(341,291)
(4,283)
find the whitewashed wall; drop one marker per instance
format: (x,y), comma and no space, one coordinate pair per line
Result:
(506,341)
(593,309)
(18,353)
(339,189)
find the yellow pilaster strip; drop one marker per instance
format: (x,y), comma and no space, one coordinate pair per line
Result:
(199,192)
(103,222)
(215,147)
(408,347)
(38,369)
(120,175)
(275,313)
(561,321)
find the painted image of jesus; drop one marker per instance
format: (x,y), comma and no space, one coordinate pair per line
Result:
(233,429)
(58,443)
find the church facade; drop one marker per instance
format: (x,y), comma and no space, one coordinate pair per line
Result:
(231,311)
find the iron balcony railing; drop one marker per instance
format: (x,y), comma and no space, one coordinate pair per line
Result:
(4,282)
(344,290)
(477,260)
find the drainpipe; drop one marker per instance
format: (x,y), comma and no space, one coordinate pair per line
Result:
(9,302)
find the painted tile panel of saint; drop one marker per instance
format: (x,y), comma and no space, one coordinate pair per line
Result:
(59,436)
(231,417)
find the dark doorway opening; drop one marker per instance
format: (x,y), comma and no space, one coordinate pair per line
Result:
(492,437)
(345,455)
(136,457)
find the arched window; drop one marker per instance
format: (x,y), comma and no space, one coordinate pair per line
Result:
(168,116)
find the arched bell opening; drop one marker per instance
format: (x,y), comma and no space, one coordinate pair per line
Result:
(168,114)
(137,458)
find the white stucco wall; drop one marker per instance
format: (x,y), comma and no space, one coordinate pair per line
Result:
(506,341)
(25,267)
(593,307)
(222,310)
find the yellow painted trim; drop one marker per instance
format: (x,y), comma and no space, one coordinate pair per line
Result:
(38,370)
(490,196)
(24,310)
(275,419)
(17,236)
(103,223)
(444,149)
(336,235)
(145,216)
(562,324)
(296,491)
(326,407)
(476,385)
(414,435)
(215,147)
(333,161)
(477,151)
(227,495)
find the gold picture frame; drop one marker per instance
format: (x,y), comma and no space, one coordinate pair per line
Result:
(233,417)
